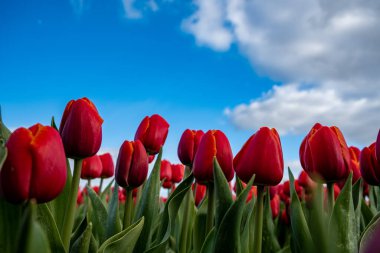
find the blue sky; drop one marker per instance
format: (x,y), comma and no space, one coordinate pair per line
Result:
(202,65)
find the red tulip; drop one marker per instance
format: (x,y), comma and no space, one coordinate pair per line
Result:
(79,197)
(81,129)
(35,167)
(306,182)
(132,165)
(378,147)
(213,144)
(178,171)
(369,166)
(152,132)
(273,191)
(200,193)
(188,146)
(151,158)
(107,165)
(285,193)
(166,174)
(324,154)
(275,206)
(354,166)
(261,155)
(91,167)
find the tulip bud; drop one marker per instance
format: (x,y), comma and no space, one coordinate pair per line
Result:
(35,167)
(306,182)
(178,171)
(91,167)
(213,144)
(324,154)
(166,174)
(107,165)
(152,132)
(81,129)
(261,155)
(378,147)
(200,193)
(151,158)
(132,165)
(369,166)
(354,166)
(275,206)
(188,145)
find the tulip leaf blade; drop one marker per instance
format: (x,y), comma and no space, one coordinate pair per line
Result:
(148,205)
(99,215)
(299,227)
(343,221)
(10,221)
(82,244)
(167,221)
(222,193)
(199,228)
(227,237)
(113,220)
(369,232)
(4,131)
(125,240)
(49,225)
(208,245)
(270,242)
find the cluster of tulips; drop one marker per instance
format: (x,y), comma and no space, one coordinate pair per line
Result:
(215,201)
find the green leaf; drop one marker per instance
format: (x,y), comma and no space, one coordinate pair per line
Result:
(223,194)
(99,215)
(4,131)
(167,222)
(3,154)
(227,237)
(113,220)
(47,222)
(58,205)
(208,245)
(32,238)
(82,244)
(123,241)
(148,206)
(343,233)
(300,229)
(239,186)
(199,228)
(53,125)
(369,232)
(270,242)
(106,191)
(357,196)
(245,226)
(10,222)
(367,213)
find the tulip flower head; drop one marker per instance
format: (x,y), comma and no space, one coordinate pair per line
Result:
(324,154)
(261,155)
(178,171)
(132,165)
(152,132)
(35,167)
(81,129)
(188,146)
(108,168)
(369,166)
(91,167)
(214,143)
(166,174)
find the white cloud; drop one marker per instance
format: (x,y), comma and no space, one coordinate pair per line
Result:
(130,10)
(332,45)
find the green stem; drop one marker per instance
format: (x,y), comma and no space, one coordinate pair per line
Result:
(128,209)
(259,219)
(185,222)
(330,195)
(89,182)
(210,207)
(100,186)
(70,209)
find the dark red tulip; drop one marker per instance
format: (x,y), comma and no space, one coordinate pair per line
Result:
(132,165)
(273,191)
(188,146)
(166,174)
(378,147)
(275,206)
(79,197)
(107,165)
(91,167)
(200,193)
(178,171)
(354,166)
(306,182)
(324,154)
(261,155)
(214,143)
(81,129)
(35,167)
(369,166)
(285,193)
(151,158)
(152,132)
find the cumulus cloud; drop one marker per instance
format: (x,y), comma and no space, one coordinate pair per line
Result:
(325,54)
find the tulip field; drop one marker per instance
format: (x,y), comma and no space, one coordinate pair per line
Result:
(216,201)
